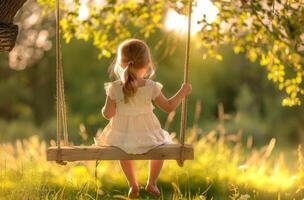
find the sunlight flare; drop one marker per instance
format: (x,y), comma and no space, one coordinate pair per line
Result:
(178,23)
(83,12)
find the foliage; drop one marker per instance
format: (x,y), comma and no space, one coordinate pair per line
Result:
(269,31)
(107,23)
(27,103)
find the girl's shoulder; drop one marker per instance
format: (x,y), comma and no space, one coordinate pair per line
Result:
(118,83)
(112,88)
(113,84)
(152,83)
(155,87)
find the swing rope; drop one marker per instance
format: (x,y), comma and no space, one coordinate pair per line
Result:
(60,97)
(186,78)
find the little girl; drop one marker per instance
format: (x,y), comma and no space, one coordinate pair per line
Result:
(133,127)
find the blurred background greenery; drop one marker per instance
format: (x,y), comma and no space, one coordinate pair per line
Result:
(28,97)
(27,90)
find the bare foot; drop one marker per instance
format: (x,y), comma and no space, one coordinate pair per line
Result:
(133,191)
(152,189)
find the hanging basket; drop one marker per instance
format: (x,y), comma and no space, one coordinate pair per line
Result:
(8,35)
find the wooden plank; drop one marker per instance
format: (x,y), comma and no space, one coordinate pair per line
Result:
(77,153)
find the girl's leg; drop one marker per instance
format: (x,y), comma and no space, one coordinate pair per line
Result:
(154,169)
(128,169)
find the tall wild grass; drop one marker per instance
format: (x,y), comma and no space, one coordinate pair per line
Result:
(225,167)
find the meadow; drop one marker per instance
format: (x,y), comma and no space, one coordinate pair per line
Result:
(225,167)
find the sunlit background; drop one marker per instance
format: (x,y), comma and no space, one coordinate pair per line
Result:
(173,21)
(178,23)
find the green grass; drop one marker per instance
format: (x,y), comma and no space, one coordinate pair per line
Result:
(223,169)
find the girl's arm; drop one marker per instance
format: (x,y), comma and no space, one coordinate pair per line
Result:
(168,105)
(108,110)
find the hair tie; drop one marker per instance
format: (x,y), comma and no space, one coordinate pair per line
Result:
(131,62)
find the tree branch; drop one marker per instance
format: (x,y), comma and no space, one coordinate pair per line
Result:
(8,30)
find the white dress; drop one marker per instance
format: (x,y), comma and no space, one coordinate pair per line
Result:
(135,129)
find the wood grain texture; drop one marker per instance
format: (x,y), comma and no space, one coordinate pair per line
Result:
(8,9)
(8,30)
(78,153)
(8,35)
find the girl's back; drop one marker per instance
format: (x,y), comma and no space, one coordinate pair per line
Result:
(140,103)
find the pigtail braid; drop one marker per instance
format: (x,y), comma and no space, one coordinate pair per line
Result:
(129,87)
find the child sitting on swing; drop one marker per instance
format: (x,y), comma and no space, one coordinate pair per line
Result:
(133,126)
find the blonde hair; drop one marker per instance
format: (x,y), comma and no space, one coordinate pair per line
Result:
(132,55)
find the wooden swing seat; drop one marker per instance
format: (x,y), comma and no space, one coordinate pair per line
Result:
(79,153)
